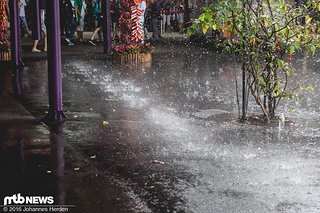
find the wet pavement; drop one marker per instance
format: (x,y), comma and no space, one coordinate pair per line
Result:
(159,137)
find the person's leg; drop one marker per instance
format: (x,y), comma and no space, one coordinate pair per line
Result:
(164,19)
(145,33)
(100,35)
(27,28)
(96,24)
(168,23)
(94,33)
(155,34)
(97,30)
(153,28)
(21,27)
(24,26)
(34,48)
(62,24)
(28,32)
(78,34)
(73,28)
(81,29)
(114,28)
(67,28)
(68,31)
(81,35)
(45,40)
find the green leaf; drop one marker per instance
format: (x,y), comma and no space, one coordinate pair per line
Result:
(191,31)
(313,49)
(201,17)
(296,44)
(208,17)
(280,63)
(205,28)
(291,49)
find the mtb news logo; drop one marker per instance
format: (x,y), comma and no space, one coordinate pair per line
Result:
(18,199)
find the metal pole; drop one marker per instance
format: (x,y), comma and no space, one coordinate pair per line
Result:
(54,62)
(106,27)
(187,12)
(36,30)
(244,94)
(14,33)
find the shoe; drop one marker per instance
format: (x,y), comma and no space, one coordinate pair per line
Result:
(36,51)
(91,42)
(69,42)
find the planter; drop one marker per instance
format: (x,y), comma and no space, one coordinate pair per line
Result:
(145,57)
(5,56)
(133,58)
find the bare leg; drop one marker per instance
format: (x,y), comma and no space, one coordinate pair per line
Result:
(100,34)
(45,40)
(35,44)
(146,32)
(97,30)
(81,36)
(28,32)
(78,34)
(180,28)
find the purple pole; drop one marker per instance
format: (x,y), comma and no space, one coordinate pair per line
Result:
(106,27)
(36,30)
(54,62)
(15,33)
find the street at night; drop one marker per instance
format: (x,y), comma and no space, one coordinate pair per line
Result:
(87,132)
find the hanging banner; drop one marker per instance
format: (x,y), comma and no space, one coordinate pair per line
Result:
(137,28)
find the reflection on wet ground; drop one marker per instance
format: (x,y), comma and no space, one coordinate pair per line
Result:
(165,137)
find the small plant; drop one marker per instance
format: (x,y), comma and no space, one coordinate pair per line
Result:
(146,48)
(121,49)
(5,46)
(4,42)
(261,33)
